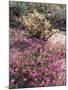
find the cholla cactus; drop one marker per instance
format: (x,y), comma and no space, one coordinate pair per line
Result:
(37,25)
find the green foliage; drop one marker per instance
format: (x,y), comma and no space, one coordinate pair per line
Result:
(52,12)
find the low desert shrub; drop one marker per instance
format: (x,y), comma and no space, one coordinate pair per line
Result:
(37,25)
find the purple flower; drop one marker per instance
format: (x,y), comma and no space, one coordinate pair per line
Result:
(12,81)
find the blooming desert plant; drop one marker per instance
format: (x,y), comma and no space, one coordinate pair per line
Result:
(37,64)
(37,53)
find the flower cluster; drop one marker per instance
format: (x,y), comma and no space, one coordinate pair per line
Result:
(34,62)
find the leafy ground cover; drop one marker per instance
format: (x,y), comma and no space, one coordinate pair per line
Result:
(35,63)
